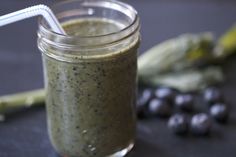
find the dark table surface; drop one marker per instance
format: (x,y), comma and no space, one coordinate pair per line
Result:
(24,133)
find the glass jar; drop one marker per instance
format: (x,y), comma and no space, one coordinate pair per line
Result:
(90,77)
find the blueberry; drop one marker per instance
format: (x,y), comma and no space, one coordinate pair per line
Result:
(165,93)
(200,124)
(219,112)
(158,107)
(184,102)
(178,123)
(213,95)
(143,101)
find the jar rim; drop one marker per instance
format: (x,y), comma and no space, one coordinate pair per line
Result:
(44,30)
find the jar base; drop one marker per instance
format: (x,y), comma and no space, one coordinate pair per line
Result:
(122,152)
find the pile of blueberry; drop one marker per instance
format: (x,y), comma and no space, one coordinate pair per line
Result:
(180,109)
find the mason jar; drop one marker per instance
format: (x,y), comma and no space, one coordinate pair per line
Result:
(90,77)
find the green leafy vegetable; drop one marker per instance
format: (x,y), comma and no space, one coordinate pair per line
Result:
(175,54)
(188,80)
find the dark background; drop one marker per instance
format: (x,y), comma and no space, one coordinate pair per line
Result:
(24,133)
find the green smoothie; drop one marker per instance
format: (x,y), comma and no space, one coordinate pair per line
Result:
(90,102)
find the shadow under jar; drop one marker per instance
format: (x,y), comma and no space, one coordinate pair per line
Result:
(90,77)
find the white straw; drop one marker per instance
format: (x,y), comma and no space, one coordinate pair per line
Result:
(29,12)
